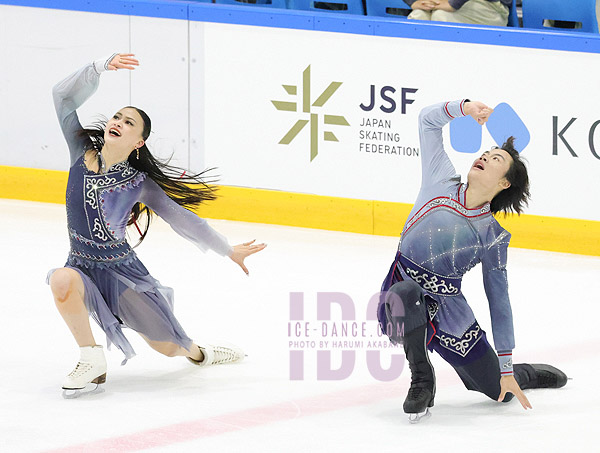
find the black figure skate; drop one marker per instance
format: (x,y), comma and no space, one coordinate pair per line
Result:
(422,385)
(539,376)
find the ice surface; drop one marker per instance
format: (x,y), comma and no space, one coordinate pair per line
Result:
(165,404)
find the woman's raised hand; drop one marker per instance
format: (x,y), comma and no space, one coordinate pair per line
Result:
(242,251)
(123,61)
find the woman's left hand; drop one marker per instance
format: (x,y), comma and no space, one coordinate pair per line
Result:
(509,384)
(241,251)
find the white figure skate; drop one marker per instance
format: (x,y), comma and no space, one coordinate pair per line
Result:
(218,355)
(89,374)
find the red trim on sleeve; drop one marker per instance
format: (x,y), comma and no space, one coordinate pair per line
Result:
(461,107)
(447,111)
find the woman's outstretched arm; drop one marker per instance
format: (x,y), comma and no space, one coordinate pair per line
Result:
(193,228)
(70,93)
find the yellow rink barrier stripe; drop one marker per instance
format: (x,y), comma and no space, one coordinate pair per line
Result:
(33,184)
(555,234)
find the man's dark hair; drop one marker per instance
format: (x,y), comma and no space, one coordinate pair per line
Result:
(516,197)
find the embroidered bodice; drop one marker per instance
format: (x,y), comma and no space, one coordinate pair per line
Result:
(98,207)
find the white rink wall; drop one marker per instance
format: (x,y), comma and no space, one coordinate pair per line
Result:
(208,88)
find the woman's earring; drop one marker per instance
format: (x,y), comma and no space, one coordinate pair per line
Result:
(137,156)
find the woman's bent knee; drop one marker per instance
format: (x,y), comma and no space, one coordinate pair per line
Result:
(63,282)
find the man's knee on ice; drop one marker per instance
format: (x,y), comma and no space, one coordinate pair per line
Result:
(405,307)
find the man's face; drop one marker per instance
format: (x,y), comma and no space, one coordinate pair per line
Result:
(489,170)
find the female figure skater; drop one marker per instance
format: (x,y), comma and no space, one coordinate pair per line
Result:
(113,179)
(450,229)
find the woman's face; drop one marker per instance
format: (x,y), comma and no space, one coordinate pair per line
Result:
(125,130)
(490,169)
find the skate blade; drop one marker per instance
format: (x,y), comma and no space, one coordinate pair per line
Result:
(416,418)
(90,389)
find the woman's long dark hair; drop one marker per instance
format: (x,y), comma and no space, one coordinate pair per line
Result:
(186,189)
(516,197)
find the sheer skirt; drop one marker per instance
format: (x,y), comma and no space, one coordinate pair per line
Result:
(128,296)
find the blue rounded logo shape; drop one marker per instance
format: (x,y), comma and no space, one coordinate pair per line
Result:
(465,133)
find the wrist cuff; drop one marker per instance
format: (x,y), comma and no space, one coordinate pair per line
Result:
(101,65)
(455,109)
(506,363)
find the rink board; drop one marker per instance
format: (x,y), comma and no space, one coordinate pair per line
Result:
(330,213)
(311,119)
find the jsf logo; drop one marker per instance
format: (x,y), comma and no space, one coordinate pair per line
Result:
(332,340)
(313,118)
(465,133)
(386,93)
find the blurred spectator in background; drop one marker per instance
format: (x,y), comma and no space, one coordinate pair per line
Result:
(483,12)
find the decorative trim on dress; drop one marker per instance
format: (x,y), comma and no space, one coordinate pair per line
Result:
(432,308)
(98,245)
(108,253)
(103,248)
(121,176)
(440,285)
(464,344)
(446,203)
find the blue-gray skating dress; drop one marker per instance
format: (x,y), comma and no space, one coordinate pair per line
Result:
(119,291)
